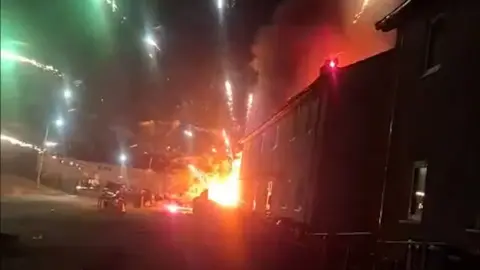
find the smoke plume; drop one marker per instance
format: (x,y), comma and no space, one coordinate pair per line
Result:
(289,52)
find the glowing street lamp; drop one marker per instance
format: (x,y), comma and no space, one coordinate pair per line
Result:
(188,133)
(67,94)
(220,4)
(50,144)
(59,123)
(123,158)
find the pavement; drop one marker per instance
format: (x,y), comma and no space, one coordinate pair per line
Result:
(67,232)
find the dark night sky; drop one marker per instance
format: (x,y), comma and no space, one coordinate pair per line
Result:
(121,84)
(275,46)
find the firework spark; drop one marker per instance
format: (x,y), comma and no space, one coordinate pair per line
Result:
(364,6)
(112,4)
(15,57)
(226,140)
(20,143)
(229,93)
(249,104)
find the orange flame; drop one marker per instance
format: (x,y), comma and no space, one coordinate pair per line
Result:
(224,190)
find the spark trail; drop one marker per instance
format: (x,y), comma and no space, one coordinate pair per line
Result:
(7,55)
(364,6)
(249,104)
(229,94)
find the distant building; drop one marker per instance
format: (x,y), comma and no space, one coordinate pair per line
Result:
(66,173)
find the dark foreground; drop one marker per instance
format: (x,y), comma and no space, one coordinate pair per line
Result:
(62,235)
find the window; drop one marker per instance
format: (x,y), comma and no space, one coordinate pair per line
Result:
(268,202)
(434,44)
(417,195)
(277,135)
(262,137)
(254,201)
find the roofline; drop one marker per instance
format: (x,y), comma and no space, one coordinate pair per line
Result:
(316,85)
(279,114)
(384,25)
(292,102)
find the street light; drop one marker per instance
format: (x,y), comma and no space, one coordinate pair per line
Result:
(123,158)
(149,40)
(188,133)
(58,123)
(220,4)
(67,94)
(50,144)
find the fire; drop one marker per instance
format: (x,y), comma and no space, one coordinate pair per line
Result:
(226,190)
(222,189)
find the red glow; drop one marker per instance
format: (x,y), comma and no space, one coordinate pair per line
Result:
(332,64)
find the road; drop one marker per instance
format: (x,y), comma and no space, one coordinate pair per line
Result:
(63,232)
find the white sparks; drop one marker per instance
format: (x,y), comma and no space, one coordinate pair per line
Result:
(150,41)
(249,104)
(20,143)
(229,93)
(226,140)
(12,56)
(113,5)
(364,6)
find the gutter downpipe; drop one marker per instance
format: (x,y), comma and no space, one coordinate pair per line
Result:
(390,134)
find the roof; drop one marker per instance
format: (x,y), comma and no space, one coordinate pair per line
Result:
(394,18)
(317,85)
(292,102)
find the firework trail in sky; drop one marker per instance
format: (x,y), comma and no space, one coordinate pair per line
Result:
(112,4)
(364,6)
(18,142)
(229,94)
(249,104)
(15,57)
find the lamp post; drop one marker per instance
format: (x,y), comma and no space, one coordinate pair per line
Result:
(58,123)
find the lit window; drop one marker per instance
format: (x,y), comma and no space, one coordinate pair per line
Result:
(268,202)
(417,196)
(254,201)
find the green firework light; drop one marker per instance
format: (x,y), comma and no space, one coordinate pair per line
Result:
(112,4)
(8,55)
